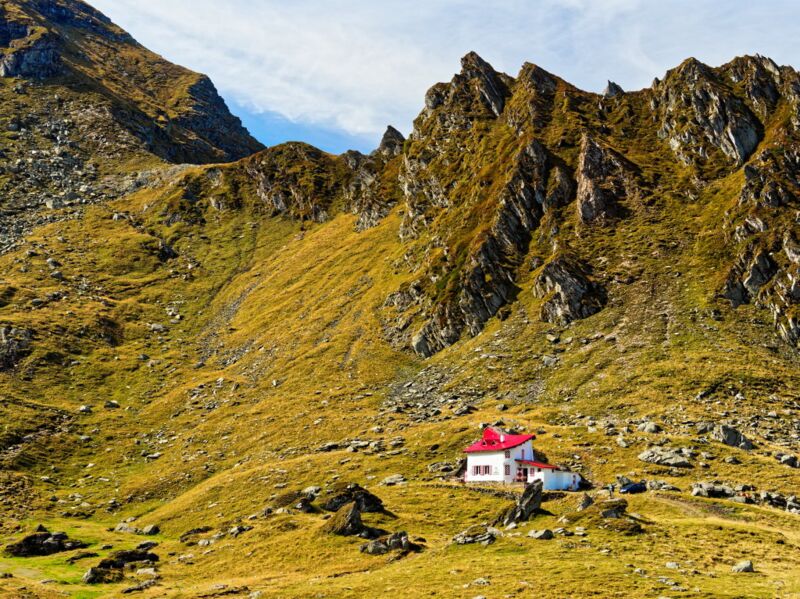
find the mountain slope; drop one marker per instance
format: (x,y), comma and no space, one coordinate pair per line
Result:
(616,273)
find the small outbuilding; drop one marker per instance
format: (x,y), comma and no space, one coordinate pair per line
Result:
(503,457)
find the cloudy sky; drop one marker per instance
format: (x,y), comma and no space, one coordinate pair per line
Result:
(334,73)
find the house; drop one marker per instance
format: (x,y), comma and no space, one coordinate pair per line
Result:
(503,457)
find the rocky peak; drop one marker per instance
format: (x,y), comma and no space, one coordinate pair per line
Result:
(391,143)
(699,112)
(761,79)
(476,91)
(489,83)
(612,90)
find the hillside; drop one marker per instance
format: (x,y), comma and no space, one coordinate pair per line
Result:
(191,342)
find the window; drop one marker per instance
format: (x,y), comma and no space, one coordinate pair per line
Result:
(508,469)
(476,470)
(508,453)
(487,470)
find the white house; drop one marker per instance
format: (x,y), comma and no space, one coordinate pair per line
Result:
(501,457)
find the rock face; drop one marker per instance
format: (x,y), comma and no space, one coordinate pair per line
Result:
(526,506)
(568,291)
(486,282)
(605,179)
(43,542)
(748,276)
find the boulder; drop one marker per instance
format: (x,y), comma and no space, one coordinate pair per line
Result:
(346,521)
(43,542)
(120,558)
(478,533)
(543,535)
(613,508)
(730,436)
(335,496)
(526,506)
(15,344)
(98,575)
(665,457)
(743,566)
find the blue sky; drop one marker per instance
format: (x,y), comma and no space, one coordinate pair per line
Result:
(335,73)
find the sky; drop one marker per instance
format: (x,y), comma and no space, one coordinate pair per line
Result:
(335,73)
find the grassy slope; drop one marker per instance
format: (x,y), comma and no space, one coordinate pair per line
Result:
(268,299)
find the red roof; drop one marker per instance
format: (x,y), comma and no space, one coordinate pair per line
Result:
(495,439)
(538,464)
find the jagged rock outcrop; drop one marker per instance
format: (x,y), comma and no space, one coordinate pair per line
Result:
(752,270)
(569,292)
(771,180)
(699,112)
(605,179)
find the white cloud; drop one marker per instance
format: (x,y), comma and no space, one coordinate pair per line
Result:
(358,65)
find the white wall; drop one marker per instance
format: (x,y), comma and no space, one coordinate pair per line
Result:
(498,461)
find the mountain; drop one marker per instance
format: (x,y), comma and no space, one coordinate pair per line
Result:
(222,349)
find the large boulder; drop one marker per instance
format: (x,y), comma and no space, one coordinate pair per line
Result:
(337,495)
(665,457)
(525,507)
(97,575)
(730,436)
(43,542)
(346,522)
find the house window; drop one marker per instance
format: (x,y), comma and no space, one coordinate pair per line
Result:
(476,470)
(508,469)
(522,456)
(508,453)
(487,470)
